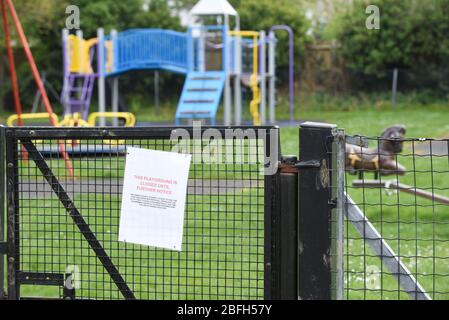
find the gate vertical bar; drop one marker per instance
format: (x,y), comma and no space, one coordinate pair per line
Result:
(338,214)
(270,187)
(2,209)
(12,177)
(281,225)
(270,205)
(315,274)
(287,230)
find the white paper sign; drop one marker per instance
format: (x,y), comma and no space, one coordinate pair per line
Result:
(154,196)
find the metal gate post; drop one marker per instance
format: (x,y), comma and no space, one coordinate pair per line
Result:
(3,245)
(315,207)
(12,182)
(285,235)
(338,193)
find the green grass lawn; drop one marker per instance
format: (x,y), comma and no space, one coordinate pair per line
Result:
(222,258)
(416,229)
(223,244)
(428,122)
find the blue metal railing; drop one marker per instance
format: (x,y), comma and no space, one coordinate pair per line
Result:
(136,49)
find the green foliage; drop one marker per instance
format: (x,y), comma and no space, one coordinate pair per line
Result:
(39,23)
(43,24)
(263,14)
(120,15)
(413,33)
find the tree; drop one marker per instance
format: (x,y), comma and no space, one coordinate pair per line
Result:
(263,14)
(413,33)
(122,15)
(41,20)
(43,24)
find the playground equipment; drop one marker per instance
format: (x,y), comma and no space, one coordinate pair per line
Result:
(18,120)
(291,71)
(72,120)
(254,78)
(396,185)
(7,5)
(381,159)
(79,77)
(210,57)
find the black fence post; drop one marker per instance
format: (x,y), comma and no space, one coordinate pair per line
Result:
(285,231)
(315,207)
(3,246)
(12,194)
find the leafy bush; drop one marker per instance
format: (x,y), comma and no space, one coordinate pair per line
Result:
(43,24)
(413,33)
(263,14)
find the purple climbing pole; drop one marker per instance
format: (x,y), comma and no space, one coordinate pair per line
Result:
(291,66)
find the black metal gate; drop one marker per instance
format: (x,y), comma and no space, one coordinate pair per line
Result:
(62,230)
(248,220)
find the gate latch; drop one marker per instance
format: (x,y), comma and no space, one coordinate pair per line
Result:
(310,164)
(290,164)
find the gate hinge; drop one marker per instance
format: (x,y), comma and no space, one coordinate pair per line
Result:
(3,248)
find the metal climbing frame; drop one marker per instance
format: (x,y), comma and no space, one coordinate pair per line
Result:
(204,87)
(178,52)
